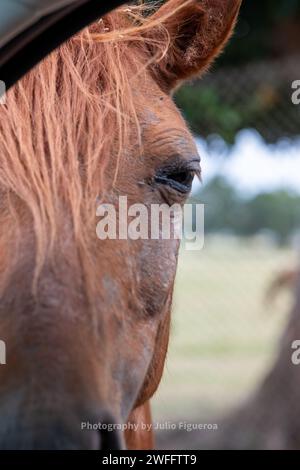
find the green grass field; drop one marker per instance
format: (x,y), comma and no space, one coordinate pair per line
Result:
(224,337)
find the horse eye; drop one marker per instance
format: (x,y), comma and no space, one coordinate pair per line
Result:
(184,178)
(181,180)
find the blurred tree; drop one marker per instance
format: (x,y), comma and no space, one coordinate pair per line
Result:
(222,205)
(227,211)
(278,211)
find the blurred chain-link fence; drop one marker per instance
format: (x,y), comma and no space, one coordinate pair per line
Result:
(257,95)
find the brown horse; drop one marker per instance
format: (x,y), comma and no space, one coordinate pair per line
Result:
(86,322)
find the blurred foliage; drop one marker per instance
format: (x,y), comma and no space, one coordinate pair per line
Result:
(214,107)
(208,114)
(225,210)
(215,116)
(250,84)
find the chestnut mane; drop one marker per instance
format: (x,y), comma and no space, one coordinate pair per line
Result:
(64,119)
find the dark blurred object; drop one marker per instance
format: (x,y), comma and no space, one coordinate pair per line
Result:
(270,419)
(268,29)
(31,30)
(284,280)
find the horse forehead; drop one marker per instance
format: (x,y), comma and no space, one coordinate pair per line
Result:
(171,139)
(161,132)
(162,125)
(159,115)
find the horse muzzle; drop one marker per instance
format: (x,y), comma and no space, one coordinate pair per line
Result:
(65,432)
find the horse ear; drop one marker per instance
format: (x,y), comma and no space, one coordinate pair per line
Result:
(198,31)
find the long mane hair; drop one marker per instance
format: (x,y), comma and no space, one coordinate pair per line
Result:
(64,119)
